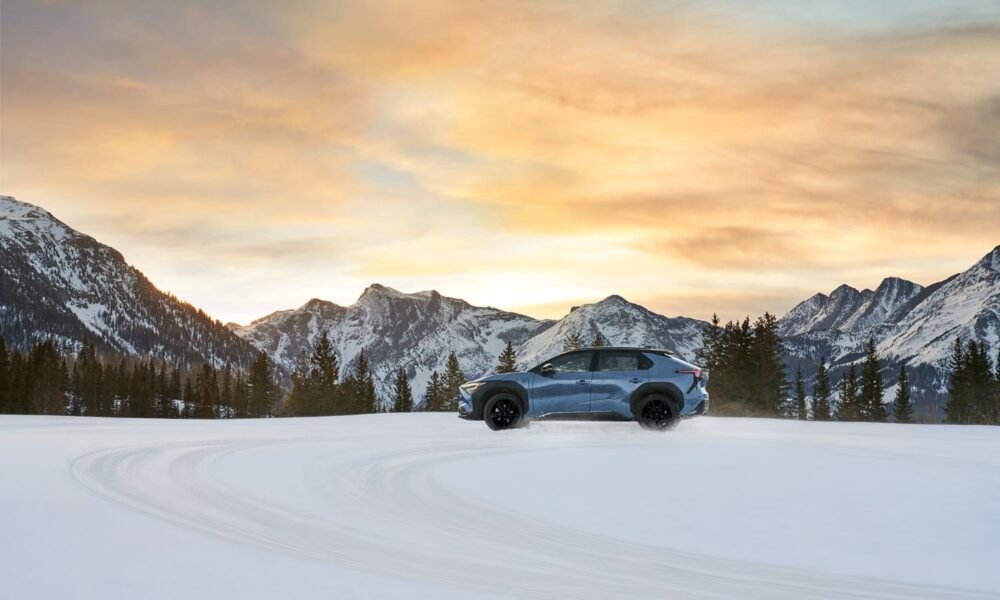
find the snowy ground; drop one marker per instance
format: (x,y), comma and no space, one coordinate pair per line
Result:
(429,506)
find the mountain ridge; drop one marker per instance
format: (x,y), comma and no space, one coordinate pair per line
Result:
(918,329)
(63,284)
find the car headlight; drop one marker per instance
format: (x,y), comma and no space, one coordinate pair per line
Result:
(472,386)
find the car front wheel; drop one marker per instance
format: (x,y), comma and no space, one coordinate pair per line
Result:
(656,413)
(503,412)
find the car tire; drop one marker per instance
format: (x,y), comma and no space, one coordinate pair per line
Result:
(656,413)
(503,411)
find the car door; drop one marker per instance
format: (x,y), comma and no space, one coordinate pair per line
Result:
(617,375)
(565,388)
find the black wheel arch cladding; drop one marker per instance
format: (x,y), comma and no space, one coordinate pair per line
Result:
(662,388)
(490,389)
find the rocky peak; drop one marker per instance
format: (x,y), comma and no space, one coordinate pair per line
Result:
(318,305)
(377,290)
(844,291)
(991,261)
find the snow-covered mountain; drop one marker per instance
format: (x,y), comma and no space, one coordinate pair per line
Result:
(911,324)
(58,283)
(621,323)
(419,330)
(416,331)
(966,306)
(847,309)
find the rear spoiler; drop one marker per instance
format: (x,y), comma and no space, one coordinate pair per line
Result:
(660,351)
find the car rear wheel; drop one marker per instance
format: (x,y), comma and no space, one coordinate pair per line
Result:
(656,413)
(503,412)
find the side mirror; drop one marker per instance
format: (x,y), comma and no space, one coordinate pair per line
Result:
(548,369)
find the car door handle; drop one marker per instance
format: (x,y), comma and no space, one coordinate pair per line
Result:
(635,380)
(582,382)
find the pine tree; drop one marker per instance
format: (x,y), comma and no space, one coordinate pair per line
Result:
(357,393)
(4,375)
(91,381)
(163,402)
(190,399)
(47,394)
(369,399)
(434,395)
(206,392)
(958,409)
(263,392)
(742,360)
(507,361)
(18,385)
(771,386)
(366,402)
(801,412)
(710,356)
(574,342)
(710,342)
(847,402)
(872,389)
(902,407)
(241,395)
(996,393)
(175,393)
(980,380)
(821,393)
(115,399)
(301,400)
(599,341)
(226,393)
(324,370)
(453,379)
(134,388)
(402,394)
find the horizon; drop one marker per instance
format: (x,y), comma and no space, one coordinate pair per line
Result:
(571,308)
(349,301)
(694,159)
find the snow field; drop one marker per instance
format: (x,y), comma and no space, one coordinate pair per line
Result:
(429,506)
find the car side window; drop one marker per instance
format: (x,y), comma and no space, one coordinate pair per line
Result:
(578,362)
(613,360)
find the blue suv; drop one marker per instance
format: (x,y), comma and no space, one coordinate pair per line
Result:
(652,387)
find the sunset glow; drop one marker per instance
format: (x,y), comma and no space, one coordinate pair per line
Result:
(708,157)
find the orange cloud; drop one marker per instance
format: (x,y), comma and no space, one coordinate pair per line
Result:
(567,150)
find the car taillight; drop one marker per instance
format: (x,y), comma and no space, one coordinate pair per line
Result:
(695,372)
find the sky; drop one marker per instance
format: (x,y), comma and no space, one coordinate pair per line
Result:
(727,156)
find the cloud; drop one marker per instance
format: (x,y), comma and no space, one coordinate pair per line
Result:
(625,146)
(739,247)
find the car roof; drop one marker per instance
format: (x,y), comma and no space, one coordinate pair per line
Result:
(659,351)
(630,348)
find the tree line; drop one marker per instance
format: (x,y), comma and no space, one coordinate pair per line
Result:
(318,391)
(747,374)
(317,388)
(44,381)
(748,377)
(973,385)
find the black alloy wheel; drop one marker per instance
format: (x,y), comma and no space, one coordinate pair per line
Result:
(503,412)
(656,414)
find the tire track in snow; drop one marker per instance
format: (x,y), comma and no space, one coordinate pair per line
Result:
(392,517)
